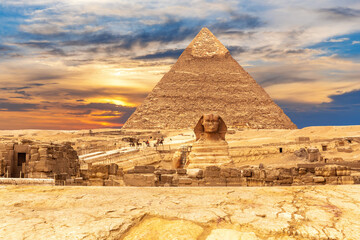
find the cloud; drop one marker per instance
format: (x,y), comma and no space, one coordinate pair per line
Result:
(355,42)
(100,106)
(335,40)
(173,53)
(341,13)
(17,107)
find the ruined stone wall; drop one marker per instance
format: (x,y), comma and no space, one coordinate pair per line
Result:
(305,174)
(39,160)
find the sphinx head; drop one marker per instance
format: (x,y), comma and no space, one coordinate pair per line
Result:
(210,127)
(211,123)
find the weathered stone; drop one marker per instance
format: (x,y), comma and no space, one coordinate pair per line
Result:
(236,181)
(331,180)
(144,169)
(313,154)
(253,182)
(113,169)
(206,76)
(272,174)
(195,173)
(212,171)
(217,181)
(301,153)
(342,171)
(319,179)
(210,148)
(181,171)
(346,180)
(185,181)
(326,171)
(345,150)
(246,172)
(139,179)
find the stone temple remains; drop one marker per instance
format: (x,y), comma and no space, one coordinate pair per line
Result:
(210,148)
(38,160)
(206,78)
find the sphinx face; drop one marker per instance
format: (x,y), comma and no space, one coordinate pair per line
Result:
(211,123)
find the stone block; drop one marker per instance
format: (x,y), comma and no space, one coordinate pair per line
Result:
(34,157)
(99,171)
(144,169)
(284,181)
(346,180)
(236,181)
(345,149)
(285,173)
(356,179)
(96,182)
(165,171)
(78,180)
(331,180)
(181,171)
(215,181)
(212,172)
(272,174)
(234,172)
(33,151)
(139,179)
(42,151)
(342,171)
(302,139)
(113,168)
(165,178)
(225,172)
(319,179)
(326,171)
(294,171)
(253,182)
(258,173)
(195,173)
(183,181)
(313,154)
(246,172)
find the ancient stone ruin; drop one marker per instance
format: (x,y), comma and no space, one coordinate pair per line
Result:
(38,160)
(206,78)
(210,148)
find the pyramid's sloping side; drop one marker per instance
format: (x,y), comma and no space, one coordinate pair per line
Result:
(203,80)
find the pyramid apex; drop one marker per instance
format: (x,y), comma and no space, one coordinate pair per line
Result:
(205,44)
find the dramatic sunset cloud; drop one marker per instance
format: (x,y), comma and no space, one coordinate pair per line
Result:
(79,64)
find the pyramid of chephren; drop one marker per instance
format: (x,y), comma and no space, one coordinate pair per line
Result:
(206,79)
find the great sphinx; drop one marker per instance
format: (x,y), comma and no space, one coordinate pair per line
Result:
(210,148)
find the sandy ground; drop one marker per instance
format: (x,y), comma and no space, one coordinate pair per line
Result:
(307,212)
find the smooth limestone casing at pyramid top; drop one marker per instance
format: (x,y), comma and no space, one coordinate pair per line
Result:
(207,79)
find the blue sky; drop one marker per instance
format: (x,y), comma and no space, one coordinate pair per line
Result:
(85,63)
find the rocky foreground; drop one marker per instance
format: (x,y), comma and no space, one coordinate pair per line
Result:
(306,212)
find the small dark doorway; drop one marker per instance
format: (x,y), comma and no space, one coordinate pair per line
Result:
(324,147)
(21,159)
(280,150)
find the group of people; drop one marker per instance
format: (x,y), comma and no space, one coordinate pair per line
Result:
(136,143)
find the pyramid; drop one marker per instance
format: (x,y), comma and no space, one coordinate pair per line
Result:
(206,79)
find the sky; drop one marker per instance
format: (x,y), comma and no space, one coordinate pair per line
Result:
(82,64)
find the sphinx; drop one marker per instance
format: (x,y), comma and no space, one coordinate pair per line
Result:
(210,148)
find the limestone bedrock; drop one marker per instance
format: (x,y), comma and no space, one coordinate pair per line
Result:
(306,212)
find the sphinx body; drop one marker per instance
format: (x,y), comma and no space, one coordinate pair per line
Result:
(210,148)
